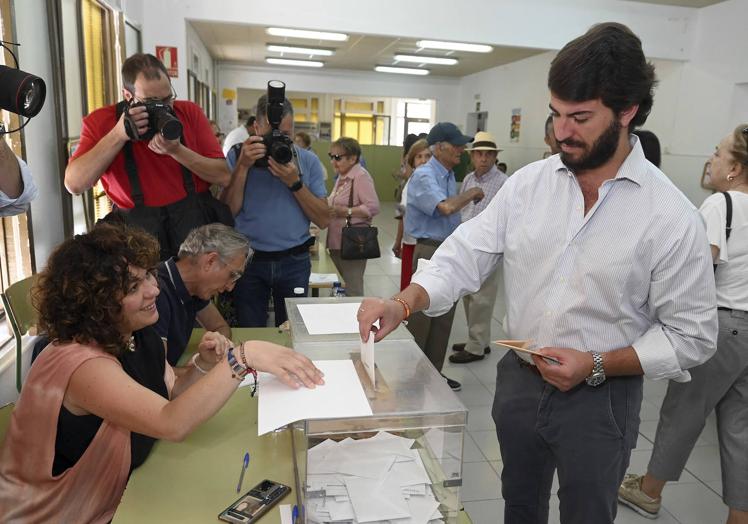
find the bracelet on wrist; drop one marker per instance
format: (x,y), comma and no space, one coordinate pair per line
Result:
(195,364)
(238,371)
(295,187)
(405,305)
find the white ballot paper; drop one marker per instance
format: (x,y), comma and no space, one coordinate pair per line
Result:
(367,358)
(330,319)
(340,396)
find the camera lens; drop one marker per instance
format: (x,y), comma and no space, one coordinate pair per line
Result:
(281,153)
(168,125)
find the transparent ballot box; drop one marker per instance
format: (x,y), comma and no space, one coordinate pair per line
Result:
(335,321)
(402,462)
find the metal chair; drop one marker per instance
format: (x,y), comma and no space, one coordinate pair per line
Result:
(21,316)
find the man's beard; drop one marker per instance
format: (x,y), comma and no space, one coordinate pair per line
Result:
(601,151)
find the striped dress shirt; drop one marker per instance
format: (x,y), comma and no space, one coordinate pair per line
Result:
(636,270)
(490,183)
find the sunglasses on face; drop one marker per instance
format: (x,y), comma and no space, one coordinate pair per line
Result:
(337,158)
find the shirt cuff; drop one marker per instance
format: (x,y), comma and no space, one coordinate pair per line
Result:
(658,358)
(430,279)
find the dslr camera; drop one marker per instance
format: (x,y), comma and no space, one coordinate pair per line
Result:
(279,146)
(161,119)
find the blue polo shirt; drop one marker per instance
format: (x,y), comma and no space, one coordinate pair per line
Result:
(430,184)
(270,216)
(177,310)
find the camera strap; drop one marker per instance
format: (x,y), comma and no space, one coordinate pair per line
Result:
(131,168)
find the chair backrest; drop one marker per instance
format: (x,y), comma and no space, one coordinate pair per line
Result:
(21,316)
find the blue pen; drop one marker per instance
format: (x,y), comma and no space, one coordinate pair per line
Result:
(241,475)
(294,514)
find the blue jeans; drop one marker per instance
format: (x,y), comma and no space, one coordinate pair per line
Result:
(262,277)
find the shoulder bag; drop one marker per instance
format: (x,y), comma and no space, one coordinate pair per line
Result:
(358,242)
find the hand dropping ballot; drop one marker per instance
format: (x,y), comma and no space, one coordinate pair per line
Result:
(367,359)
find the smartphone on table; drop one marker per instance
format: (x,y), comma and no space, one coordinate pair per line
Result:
(255,503)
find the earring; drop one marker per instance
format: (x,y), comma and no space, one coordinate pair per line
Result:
(730,178)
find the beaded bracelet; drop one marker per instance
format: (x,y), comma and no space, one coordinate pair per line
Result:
(238,371)
(252,370)
(194,363)
(405,305)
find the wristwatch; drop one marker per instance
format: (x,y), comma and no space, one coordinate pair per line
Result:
(298,185)
(597,376)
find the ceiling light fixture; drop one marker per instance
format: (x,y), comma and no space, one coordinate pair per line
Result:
(310,35)
(288,62)
(401,70)
(274,48)
(455,46)
(416,59)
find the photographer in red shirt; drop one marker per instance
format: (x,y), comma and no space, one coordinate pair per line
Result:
(156,157)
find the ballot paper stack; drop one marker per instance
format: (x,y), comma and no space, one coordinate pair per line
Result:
(374,480)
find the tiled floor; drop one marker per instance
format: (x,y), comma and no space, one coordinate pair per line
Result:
(696,499)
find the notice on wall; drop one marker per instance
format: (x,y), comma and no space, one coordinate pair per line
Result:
(168,56)
(515,124)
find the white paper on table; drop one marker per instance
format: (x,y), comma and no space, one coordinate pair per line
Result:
(367,358)
(323,278)
(330,319)
(286,514)
(340,397)
(374,500)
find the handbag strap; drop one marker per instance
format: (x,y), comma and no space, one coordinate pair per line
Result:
(350,205)
(728,225)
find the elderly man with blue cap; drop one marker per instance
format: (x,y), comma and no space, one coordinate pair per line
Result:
(432,214)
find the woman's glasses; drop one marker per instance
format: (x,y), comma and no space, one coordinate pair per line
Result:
(337,158)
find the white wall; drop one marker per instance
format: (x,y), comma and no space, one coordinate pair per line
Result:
(205,69)
(444,90)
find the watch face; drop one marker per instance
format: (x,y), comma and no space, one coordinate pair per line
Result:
(595,380)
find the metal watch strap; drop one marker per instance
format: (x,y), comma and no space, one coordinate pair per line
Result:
(597,376)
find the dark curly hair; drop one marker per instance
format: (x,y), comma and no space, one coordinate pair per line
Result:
(79,293)
(607,62)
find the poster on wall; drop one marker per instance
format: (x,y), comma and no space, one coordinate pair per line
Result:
(515,124)
(168,56)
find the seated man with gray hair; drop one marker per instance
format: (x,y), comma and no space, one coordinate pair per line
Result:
(211,259)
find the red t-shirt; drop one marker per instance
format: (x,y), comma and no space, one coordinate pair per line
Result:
(160,175)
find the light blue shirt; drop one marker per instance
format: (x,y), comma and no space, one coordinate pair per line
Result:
(636,270)
(430,184)
(270,216)
(14,206)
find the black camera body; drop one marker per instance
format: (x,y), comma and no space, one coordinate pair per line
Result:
(161,119)
(279,146)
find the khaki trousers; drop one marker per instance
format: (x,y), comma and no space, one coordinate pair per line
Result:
(352,273)
(479,311)
(430,333)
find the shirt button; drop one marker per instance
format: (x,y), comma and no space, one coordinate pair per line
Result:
(547,313)
(734,331)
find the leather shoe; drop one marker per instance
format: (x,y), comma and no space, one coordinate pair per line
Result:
(461,347)
(463,357)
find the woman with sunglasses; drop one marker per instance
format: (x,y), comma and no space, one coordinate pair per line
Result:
(345,154)
(100,394)
(720,384)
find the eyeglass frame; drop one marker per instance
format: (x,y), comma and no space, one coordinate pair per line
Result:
(234,274)
(154,99)
(337,158)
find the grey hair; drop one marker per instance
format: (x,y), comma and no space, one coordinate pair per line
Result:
(226,241)
(262,107)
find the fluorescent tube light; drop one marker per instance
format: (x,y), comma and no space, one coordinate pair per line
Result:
(310,35)
(417,59)
(274,48)
(401,70)
(455,46)
(288,62)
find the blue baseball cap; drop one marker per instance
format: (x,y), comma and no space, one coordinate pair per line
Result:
(447,132)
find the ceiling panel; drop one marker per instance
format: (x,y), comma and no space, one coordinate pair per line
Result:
(243,43)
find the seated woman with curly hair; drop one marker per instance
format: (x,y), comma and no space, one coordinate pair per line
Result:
(101,393)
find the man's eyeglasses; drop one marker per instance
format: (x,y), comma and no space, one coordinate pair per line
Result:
(337,158)
(156,100)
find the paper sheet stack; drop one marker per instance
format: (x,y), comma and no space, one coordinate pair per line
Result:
(375,480)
